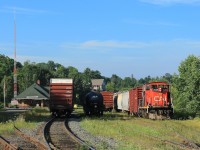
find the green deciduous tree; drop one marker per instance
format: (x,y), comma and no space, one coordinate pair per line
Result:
(6,72)
(187,85)
(110,87)
(117,82)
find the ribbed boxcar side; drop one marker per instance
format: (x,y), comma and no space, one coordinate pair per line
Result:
(119,101)
(125,101)
(135,95)
(107,100)
(61,95)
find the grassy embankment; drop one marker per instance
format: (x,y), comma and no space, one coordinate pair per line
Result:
(132,132)
(28,119)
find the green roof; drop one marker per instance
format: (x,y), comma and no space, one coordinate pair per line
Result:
(35,92)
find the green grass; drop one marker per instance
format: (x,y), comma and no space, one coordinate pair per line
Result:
(132,132)
(28,120)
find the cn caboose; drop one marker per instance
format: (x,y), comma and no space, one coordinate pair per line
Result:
(61,94)
(151,100)
(93,103)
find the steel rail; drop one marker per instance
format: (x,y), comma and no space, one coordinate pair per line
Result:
(38,144)
(7,145)
(75,137)
(68,131)
(46,132)
(172,143)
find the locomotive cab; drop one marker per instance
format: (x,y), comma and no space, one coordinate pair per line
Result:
(156,99)
(157,94)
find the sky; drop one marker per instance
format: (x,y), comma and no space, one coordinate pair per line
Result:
(139,37)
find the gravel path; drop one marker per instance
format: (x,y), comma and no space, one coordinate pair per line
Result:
(98,142)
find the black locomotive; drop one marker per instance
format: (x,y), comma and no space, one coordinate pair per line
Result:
(93,103)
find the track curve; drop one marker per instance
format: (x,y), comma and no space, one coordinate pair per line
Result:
(59,136)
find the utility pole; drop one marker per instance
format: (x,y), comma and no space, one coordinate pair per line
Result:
(4,92)
(15,68)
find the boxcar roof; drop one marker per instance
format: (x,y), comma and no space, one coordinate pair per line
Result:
(61,80)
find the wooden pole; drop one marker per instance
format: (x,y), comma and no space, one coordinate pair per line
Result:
(4,92)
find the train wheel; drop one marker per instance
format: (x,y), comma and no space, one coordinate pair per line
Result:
(156,115)
(68,114)
(170,113)
(139,113)
(144,114)
(101,113)
(86,113)
(52,114)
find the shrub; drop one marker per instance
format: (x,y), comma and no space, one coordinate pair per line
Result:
(1,105)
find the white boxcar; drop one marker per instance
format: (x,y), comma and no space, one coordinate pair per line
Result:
(123,101)
(119,101)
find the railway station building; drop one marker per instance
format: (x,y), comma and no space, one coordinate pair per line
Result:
(35,95)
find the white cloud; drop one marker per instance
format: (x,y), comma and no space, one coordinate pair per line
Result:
(167,2)
(96,45)
(114,45)
(120,57)
(22,10)
(153,23)
(37,59)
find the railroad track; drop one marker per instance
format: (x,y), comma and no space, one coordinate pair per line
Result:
(184,145)
(6,145)
(59,136)
(34,143)
(187,142)
(21,142)
(181,141)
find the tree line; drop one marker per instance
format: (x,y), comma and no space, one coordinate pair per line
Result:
(185,86)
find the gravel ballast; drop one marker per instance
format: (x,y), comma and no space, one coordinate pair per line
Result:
(94,141)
